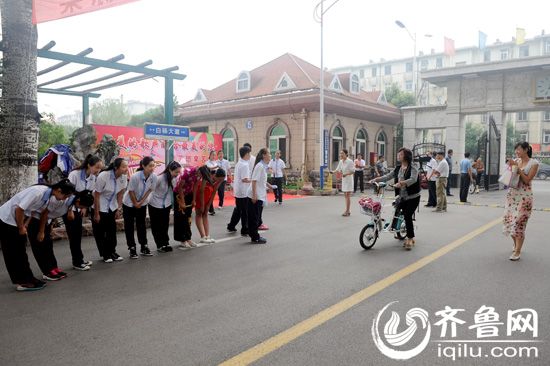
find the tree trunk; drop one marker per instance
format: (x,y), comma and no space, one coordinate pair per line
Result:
(18,109)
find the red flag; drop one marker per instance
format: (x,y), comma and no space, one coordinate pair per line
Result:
(449,46)
(46,10)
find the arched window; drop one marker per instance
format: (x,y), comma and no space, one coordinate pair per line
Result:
(354,86)
(243,82)
(228,143)
(337,144)
(361,143)
(381,144)
(278,141)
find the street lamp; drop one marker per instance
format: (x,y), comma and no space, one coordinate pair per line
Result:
(318,14)
(413,37)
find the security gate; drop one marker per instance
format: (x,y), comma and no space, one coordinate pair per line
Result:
(489,150)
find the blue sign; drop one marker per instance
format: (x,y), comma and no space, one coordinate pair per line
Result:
(325,148)
(157,131)
(249,124)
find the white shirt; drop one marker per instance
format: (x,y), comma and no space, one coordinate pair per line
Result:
(443,169)
(139,185)
(242,170)
(259,175)
(346,167)
(278,166)
(224,164)
(108,186)
(81,182)
(161,196)
(432,164)
(34,198)
(55,207)
(361,164)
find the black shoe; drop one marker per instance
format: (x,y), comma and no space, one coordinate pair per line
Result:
(36,281)
(244,234)
(133,253)
(429,206)
(213,213)
(116,257)
(145,251)
(259,241)
(450,195)
(231,230)
(31,286)
(165,249)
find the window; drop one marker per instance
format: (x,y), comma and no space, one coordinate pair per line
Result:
(484,118)
(387,70)
(524,136)
(487,56)
(439,63)
(437,137)
(408,85)
(373,72)
(277,141)
(546,116)
(361,73)
(409,67)
(524,51)
(199,129)
(381,144)
(504,54)
(200,97)
(361,143)
(546,137)
(424,65)
(243,82)
(354,84)
(547,47)
(521,116)
(228,145)
(337,144)
(335,84)
(285,82)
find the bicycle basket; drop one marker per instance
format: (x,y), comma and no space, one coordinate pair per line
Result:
(370,207)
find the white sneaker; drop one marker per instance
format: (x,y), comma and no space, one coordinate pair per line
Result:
(211,240)
(204,240)
(514,257)
(192,244)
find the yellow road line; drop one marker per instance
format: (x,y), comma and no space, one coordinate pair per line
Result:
(266,347)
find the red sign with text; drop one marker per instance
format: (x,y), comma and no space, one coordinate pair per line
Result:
(46,10)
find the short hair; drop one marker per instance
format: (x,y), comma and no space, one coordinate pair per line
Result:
(243,151)
(380,156)
(345,151)
(407,154)
(450,151)
(442,153)
(248,145)
(359,154)
(466,154)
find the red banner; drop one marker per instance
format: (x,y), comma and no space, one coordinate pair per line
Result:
(134,147)
(46,10)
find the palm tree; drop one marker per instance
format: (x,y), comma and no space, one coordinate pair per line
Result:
(18,109)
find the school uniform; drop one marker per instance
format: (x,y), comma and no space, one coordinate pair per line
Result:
(240,191)
(108,187)
(160,204)
(223,164)
(278,166)
(259,175)
(13,244)
(74,227)
(140,185)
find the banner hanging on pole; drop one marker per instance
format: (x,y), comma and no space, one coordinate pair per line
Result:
(47,10)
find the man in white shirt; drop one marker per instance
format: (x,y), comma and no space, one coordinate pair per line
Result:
(241,182)
(432,179)
(223,164)
(359,175)
(251,163)
(278,167)
(442,174)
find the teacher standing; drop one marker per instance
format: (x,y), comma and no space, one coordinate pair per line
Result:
(347,168)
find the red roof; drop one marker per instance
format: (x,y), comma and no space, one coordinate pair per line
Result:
(264,80)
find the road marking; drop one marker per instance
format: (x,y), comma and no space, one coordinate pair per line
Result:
(266,347)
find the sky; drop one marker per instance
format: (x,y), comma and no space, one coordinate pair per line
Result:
(213,40)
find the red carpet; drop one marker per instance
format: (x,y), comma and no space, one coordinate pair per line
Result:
(229,199)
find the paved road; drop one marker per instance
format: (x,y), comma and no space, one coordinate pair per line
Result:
(207,305)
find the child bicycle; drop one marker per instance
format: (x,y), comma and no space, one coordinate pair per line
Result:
(373,207)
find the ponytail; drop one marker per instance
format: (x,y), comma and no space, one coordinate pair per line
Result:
(144,162)
(168,170)
(114,165)
(205,174)
(89,160)
(64,185)
(85,198)
(525,146)
(260,155)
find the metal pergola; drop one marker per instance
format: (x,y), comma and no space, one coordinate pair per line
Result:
(89,88)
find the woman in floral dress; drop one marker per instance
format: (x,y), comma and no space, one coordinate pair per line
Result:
(519,201)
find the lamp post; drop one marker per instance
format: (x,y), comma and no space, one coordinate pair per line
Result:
(413,37)
(318,14)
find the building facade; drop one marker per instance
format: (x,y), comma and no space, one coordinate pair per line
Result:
(277,106)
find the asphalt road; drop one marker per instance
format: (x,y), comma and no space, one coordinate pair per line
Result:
(207,305)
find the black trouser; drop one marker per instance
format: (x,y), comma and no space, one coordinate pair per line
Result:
(254,215)
(105,234)
(279,190)
(464,186)
(182,220)
(74,232)
(358,175)
(408,207)
(239,214)
(160,222)
(478,178)
(448,188)
(432,196)
(135,217)
(221,193)
(42,250)
(15,254)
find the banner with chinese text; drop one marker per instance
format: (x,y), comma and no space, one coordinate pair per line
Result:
(46,10)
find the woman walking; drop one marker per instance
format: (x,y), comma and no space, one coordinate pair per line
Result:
(184,196)
(83,177)
(14,230)
(519,200)
(134,206)
(347,169)
(406,180)
(257,195)
(204,196)
(109,191)
(160,205)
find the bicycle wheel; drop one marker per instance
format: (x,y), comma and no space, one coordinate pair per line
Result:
(401,232)
(368,236)
(472,188)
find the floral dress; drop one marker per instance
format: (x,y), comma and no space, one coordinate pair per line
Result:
(519,203)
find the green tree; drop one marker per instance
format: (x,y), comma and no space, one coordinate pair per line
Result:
(399,98)
(155,115)
(50,135)
(109,112)
(473,133)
